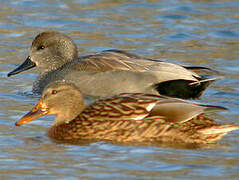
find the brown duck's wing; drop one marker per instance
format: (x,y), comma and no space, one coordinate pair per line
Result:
(180,111)
(139,106)
(125,106)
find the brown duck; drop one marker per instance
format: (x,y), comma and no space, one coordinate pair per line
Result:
(56,56)
(126,118)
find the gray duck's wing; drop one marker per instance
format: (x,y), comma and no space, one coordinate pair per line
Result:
(121,60)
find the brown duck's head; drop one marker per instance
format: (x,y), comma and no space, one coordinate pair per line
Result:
(49,51)
(59,98)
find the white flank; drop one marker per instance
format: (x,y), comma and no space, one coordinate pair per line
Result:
(218,130)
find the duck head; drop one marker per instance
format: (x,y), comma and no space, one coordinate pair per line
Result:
(59,98)
(49,51)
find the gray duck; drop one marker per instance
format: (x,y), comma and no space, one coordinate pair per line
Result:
(109,72)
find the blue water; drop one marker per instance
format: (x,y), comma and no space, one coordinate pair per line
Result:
(188,32)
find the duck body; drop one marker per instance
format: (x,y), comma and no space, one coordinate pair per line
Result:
(56,56)
(148,131)
(102,84)
(126,118)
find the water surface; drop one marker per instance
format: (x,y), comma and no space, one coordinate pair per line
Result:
(189,32)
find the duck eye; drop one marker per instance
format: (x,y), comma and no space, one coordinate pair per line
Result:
(53,92)
(41,47)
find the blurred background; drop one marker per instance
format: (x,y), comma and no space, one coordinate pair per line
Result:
(190,32)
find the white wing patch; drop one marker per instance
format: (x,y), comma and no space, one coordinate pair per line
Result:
(150,106)
(140,117)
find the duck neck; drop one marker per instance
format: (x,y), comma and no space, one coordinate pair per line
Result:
(48,70)
(69,114)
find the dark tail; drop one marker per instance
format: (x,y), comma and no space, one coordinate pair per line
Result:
(184,89)
(202,69)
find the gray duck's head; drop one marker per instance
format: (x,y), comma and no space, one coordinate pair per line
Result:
(49,51)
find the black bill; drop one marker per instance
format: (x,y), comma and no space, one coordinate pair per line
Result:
(27,64)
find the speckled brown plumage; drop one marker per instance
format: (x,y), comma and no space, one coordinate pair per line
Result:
(126,118)
(153,129)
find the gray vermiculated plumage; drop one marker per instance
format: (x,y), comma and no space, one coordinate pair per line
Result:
(109,72)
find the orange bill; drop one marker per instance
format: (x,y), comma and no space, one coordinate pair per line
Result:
(35,113)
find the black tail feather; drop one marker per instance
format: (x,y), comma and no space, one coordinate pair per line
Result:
(184,89)
(204,69)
